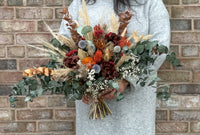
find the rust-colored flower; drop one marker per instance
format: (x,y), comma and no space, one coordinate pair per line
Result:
(98,56)
(108,70)
(71,62)
(89,62)
(124,42)
(100,43)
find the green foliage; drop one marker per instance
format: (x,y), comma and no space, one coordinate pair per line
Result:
(86,30)
(173,60)
(163,95)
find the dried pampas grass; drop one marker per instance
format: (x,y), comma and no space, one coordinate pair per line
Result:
(61,74)
(114,23)
(50,46)
(122,60)
(86,19)
(68,42)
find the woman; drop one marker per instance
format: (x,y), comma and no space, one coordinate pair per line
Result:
(135,114)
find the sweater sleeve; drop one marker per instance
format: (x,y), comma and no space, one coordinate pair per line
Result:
(159,28)
(73,11)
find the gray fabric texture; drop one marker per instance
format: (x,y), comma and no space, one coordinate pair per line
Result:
(135,114)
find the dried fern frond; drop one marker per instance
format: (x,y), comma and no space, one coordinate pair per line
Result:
(61,74)
(122,60)
(68,42)
(114,23)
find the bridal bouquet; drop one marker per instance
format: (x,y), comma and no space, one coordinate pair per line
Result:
(93,60)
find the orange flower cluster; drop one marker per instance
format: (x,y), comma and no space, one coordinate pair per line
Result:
(124,42)
(89,62)
(98,56)
(38,71)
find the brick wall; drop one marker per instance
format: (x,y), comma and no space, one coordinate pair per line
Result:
(20,24)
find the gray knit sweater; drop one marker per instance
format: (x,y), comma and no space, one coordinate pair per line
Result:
(135,114)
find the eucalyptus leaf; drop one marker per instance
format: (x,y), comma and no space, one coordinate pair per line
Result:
(86,29)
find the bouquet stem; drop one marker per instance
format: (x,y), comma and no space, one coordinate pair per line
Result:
(99,110)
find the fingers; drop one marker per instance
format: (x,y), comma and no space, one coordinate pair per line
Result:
(85,99)
(105,92)
(109,96)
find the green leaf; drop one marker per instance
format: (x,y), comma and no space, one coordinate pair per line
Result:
(27,99)
(119,96)
(39,92)
(140,49)
(79,31)
(12,99)
(75,84)
(173,60)
(86,29)
(149,45)
(162,49)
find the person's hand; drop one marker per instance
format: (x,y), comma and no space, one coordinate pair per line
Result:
(110,94)
(85,99)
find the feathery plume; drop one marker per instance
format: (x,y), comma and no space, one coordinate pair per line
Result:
(68,42)
(122,60)
(114,23)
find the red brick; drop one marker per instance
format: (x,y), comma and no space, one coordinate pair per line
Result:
(196,76)
(15,51)
(54,2)
(174,76)
(185,115)
(34,13)
(161,114)
(34,2)
(190,101)
(10,77)
(38,102)
(15,25)
(16,127)
(20,103)
(173,102)
(15,2)
(54,25)
(25,64)
(65,114)
(171,127)
(185,89)
(165,65)
(189,64)
(5,115)
(171,2)
(57,101)
(190,51)
(4,102)
(37,53)
(32,38)
(186,12)
(6,39)
(68,2)
(195,127)
(190,1)
(58,15)
(42,114)
(6,13)
(185,37)
(8,64)
(2,51)
(66,133)
(55,126)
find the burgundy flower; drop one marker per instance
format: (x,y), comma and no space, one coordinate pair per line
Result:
(71,53)
(71,62)
(113,37)
(108,70)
